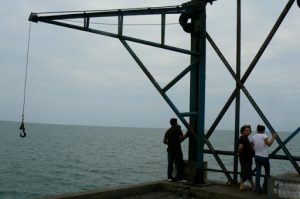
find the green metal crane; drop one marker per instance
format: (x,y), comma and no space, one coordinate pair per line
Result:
(193,21)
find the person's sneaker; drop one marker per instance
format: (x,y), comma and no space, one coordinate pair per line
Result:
(170,180)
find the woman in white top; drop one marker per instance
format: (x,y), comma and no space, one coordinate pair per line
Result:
(260,142)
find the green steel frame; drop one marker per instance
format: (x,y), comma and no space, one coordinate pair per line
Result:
(197,70)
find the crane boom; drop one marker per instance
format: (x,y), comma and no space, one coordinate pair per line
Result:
(46,16)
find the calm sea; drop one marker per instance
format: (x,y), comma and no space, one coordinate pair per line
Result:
(58,159)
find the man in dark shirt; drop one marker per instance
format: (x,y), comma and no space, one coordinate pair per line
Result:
(173,138)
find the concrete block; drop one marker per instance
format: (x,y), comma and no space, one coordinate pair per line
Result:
(285,186)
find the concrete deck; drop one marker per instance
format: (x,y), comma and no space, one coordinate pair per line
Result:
(168,190)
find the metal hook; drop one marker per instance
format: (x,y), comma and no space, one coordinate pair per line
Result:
(22,132)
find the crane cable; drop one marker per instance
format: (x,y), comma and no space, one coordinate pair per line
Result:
(22,127)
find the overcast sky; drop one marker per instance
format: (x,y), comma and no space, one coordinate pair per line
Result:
(81,78)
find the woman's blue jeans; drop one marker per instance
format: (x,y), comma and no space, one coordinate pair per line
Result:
(262,162)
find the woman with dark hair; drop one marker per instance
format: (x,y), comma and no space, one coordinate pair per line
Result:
(246,154)
(260,142)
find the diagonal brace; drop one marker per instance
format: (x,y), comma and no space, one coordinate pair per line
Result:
(286,141)
(178,77)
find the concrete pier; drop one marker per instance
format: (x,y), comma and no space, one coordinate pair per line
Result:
(285,186)
(168,190)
